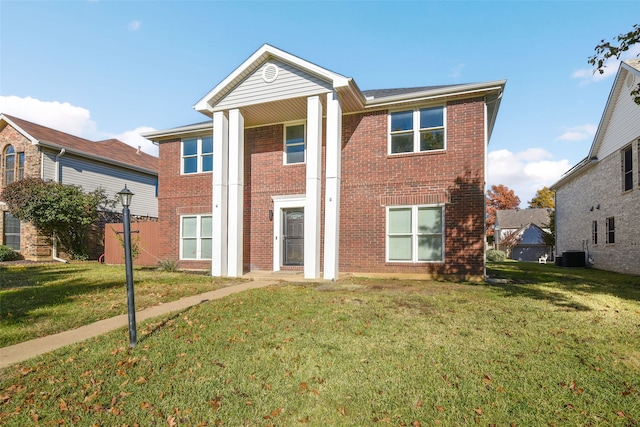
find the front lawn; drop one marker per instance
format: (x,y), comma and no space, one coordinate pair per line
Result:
(42,299)
(554,347)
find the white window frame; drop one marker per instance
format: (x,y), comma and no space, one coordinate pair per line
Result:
(199,237)
(284,142)
(416,130)
(415,234)
(199,155)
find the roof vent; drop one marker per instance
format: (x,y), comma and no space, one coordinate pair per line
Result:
(630,79)
(270,73)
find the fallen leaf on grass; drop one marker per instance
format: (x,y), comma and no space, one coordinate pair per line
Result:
(478,411)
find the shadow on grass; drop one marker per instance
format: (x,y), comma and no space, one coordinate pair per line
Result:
(554,284)
(26,290)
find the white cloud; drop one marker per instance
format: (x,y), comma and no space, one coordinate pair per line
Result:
(586,75)
(578,133)
(61,116)
(456,71)
(68,118)
(524,172)
(134,25)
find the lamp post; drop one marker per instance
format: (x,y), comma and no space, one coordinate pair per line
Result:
(125,198)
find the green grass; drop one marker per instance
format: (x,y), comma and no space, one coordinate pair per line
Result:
(38,300)
(553,347)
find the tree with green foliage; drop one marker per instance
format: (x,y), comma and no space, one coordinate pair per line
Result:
(58,211)
(544,198)
(606,50)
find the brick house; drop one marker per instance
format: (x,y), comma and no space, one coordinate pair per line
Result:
(299,169)
(598,200)
(31,150)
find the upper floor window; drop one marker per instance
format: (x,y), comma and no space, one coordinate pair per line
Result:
(611,230)
(197,155)
(417,130)
(294,144)
(627,169)
(415,234)
(13,165)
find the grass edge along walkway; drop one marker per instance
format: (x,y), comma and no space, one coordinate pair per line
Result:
(28,349)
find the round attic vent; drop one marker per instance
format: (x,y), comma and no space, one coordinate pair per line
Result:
(630,79)
(270,73)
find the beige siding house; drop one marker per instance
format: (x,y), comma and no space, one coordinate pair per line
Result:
(598,200)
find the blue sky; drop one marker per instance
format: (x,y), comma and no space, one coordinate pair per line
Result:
(104,69)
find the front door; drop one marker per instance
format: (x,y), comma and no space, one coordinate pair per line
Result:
(293,236)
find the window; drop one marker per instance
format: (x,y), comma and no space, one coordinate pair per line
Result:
(611,228)
(197,155)
(195,237)
(13,165)
(415,234)
(594,232)
(416,130)
(11,233)
(627,169)
(294,144)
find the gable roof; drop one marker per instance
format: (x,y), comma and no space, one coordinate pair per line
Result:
(352,99)
(110,151)
(630,67)
(515,219)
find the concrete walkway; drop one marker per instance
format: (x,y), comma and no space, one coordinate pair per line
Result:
(26,350)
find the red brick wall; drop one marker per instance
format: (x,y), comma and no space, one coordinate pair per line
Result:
(371,180)
(179,195)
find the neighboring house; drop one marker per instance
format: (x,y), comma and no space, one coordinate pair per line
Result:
(301,170)
(531,226)
(598,200)
(31,150)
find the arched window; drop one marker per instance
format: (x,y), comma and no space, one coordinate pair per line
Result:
(13,165)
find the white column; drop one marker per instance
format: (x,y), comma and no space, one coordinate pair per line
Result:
(236,192)
(219,194)
(332,187)
(313,190)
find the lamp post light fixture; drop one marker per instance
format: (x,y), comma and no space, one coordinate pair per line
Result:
(125,198)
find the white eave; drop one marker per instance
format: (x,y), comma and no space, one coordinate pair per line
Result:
(181,131)
(464,90)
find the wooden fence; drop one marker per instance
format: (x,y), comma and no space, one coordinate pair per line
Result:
(144,243)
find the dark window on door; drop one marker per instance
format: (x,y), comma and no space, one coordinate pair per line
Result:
(293,236)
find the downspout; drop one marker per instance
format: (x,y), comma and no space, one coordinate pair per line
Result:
(56,178)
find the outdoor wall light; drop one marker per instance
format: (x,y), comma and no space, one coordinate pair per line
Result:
(591,209)
(270,214)
(598,207)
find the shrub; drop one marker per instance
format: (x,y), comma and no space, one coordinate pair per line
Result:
(7,253)
(168,265)
(494,255)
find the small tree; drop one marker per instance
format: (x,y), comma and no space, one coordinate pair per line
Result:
(499,197)
(59,211)
(544,198)
(605,50)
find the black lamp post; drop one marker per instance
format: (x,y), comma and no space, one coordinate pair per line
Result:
(125,198)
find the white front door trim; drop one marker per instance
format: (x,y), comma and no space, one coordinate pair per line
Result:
(279,204)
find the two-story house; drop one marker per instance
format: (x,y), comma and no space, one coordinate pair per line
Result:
(31,150)
(598,200)
(299,169)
